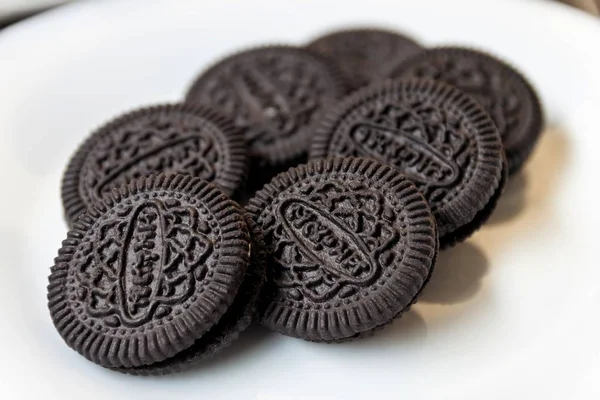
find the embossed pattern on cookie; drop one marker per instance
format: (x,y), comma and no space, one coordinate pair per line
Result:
(182,139)
(350,243)
(148,270)
(236,319)
(274,94)
(366,55)
(437,136)
(502,91)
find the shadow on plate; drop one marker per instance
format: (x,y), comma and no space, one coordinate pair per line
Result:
(457,275)
(512,201)
(545,164)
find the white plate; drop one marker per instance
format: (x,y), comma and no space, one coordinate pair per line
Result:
(513,313)
(9,8)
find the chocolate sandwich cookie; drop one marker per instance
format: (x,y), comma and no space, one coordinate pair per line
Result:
(274,94)
(350,244)
(366,55)
(433,133)
(502,91)
(235,320)
(148,270)
(176,138)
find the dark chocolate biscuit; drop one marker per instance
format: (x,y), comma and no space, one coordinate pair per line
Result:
(350,243)
(174,138)
(502,91)
(274,94)
(236,319)
(433,133)
(148,270)
(366,55)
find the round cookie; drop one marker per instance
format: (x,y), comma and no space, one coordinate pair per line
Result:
(350,244)
(147,271)
(434,134)
(502,91)
(366,55)
(274,95)
(172,138)
(236,319)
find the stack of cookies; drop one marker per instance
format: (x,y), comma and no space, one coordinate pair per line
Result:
(309,188)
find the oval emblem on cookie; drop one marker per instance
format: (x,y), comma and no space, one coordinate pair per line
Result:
(418,160)
(140,265)
(328,242)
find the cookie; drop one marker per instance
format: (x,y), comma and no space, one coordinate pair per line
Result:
(236,319)
(350,243)
(148,270)
(434,134)
(366,55)
(175,138)
(274,94)
(502,91)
